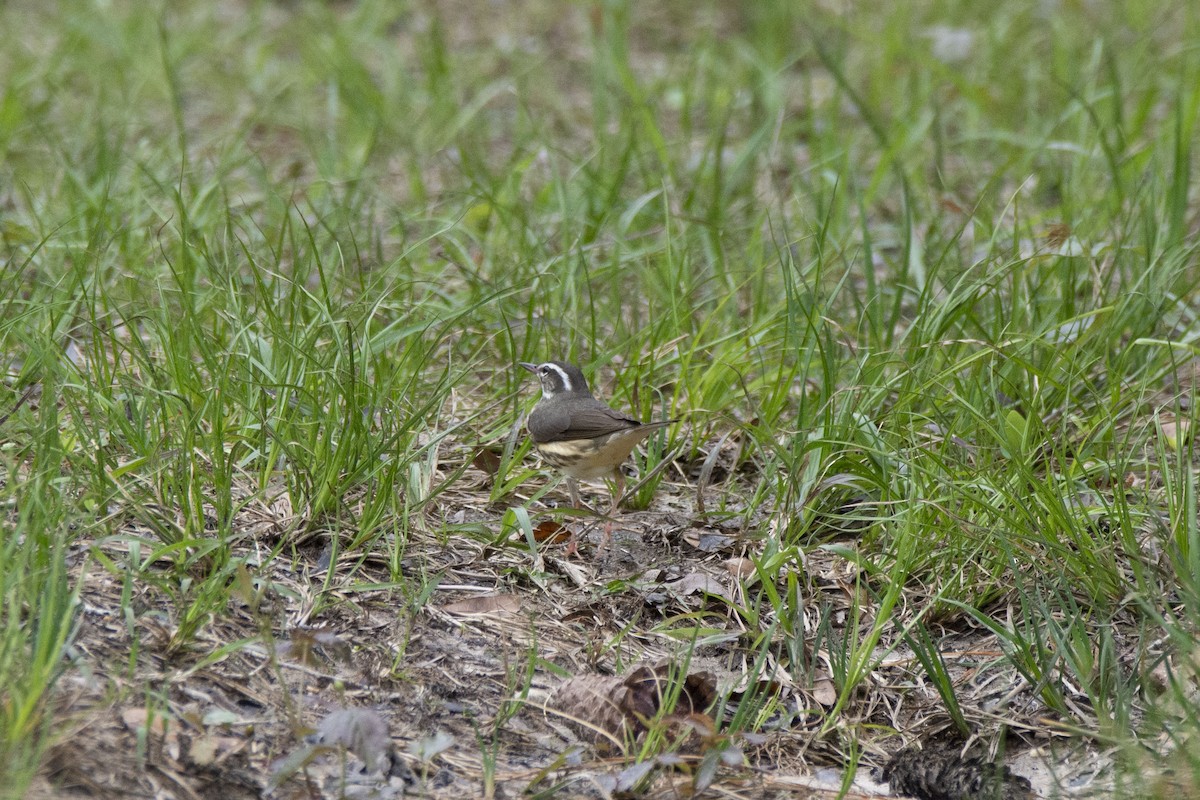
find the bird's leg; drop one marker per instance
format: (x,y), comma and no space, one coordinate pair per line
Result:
(572,544)
(618,493)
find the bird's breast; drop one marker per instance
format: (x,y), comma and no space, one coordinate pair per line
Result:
(592,458)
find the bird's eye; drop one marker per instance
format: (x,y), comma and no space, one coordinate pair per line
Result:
(544,371)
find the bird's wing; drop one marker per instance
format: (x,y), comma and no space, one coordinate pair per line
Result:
(587,422)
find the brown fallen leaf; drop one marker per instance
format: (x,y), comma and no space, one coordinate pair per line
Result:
(139,718)
(495,604)
(740,568)
(697,582)
(824,692)
(708,541)
(486,460)
(549,531)
(618,709)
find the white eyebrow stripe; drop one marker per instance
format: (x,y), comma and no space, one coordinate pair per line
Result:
(562,373)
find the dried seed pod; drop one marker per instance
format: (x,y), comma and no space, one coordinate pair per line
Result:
(940,771)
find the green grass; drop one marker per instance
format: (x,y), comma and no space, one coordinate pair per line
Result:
(259,250)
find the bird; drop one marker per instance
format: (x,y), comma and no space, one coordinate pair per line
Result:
(580,435)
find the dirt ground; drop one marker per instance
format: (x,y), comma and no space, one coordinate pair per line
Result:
(459,694)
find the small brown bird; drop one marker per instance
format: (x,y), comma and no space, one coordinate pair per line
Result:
(577,433)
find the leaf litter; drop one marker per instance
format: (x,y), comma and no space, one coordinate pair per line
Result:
(606,674)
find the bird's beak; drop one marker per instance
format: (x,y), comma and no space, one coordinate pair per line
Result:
(528,366)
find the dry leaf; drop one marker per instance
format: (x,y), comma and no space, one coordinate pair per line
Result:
(136,719)
(486,460)
(549,531)
(708,541)
(696,582)
(739,568)
(824,692)
(617,708)
(494,604)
